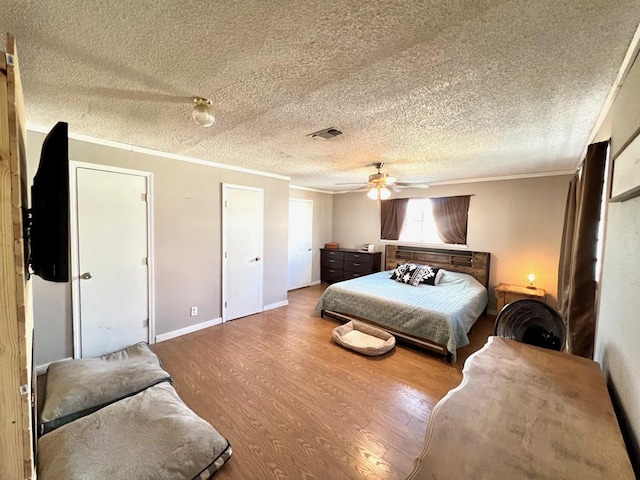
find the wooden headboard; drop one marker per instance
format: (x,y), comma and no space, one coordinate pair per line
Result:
(475,264)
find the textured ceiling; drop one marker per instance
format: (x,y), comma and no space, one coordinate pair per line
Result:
(438,90)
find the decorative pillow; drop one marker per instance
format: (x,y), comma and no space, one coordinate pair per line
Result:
(399,271)
(411,274)
(432,275)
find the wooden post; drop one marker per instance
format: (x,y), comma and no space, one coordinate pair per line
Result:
(16,321)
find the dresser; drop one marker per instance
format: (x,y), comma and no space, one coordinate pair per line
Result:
(505,294)
(343,264)
(525,412)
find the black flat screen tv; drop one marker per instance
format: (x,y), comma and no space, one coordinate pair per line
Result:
(49,229)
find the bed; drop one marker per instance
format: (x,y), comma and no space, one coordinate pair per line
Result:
(438,317)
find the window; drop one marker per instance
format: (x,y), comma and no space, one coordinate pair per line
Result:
(440,220)
(419,224)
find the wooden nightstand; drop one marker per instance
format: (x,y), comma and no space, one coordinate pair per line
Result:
(506,294)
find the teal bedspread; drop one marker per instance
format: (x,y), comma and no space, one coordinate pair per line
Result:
(442,313)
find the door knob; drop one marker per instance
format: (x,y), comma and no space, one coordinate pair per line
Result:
(258,259)
(308,249)
(86,275)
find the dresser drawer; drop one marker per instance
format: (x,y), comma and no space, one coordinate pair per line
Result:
(348,275)
(332,274)
(358,267)
(335,254)
(357,257)
(336,263)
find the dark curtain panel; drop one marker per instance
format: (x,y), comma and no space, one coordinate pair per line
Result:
(392,213)
(577,270)
(566,247)
(450,215)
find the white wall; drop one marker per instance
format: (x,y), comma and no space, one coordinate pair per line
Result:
(187,243)
(518,221)
(322,223)
(618,328)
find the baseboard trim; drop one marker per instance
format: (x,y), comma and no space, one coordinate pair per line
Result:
(42,369)
(271,306)
(183,331)
(315,282)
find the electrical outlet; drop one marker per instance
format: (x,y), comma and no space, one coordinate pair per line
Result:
(194,311)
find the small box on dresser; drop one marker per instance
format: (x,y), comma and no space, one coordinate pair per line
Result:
(343,264)
(505,294)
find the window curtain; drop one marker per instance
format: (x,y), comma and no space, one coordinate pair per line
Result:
(450,215)
(577,270)
(392,213)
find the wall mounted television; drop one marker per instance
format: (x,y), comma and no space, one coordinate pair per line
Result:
(48,218)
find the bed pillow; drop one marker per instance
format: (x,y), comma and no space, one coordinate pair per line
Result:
(432,275)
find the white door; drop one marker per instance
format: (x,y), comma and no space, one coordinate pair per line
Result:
(300,241)
(111,270)
(243,240)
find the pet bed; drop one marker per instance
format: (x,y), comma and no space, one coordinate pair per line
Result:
(151,435)
(76,388)
(363,338)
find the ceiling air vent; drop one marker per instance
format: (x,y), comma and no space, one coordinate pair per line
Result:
(326,134)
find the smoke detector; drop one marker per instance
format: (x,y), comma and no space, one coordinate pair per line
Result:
(326,134)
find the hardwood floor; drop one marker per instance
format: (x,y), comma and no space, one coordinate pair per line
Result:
(294,405)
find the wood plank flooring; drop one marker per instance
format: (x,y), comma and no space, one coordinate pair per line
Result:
(296,406)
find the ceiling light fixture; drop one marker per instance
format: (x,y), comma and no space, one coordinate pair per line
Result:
(202,112)
(379,193)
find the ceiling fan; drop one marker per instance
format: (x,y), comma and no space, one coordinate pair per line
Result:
(201,112)
(380,185)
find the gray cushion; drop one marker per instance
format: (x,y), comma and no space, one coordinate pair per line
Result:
(76,388)
(151,435)
(363,338)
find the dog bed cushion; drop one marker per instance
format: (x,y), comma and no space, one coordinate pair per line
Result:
(151,435)
(364,338)
(76,388)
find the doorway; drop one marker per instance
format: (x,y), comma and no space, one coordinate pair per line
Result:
(242,250)
(300,243)
(111,258)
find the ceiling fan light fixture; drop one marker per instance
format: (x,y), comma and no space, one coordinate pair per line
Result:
(379,193)
(202,112)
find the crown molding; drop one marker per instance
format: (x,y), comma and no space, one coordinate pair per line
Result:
(149,151)
(556,173)
(308,189)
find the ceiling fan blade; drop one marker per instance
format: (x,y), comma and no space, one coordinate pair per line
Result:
(411,185)
(126,94)
(353,190)
(356,183)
